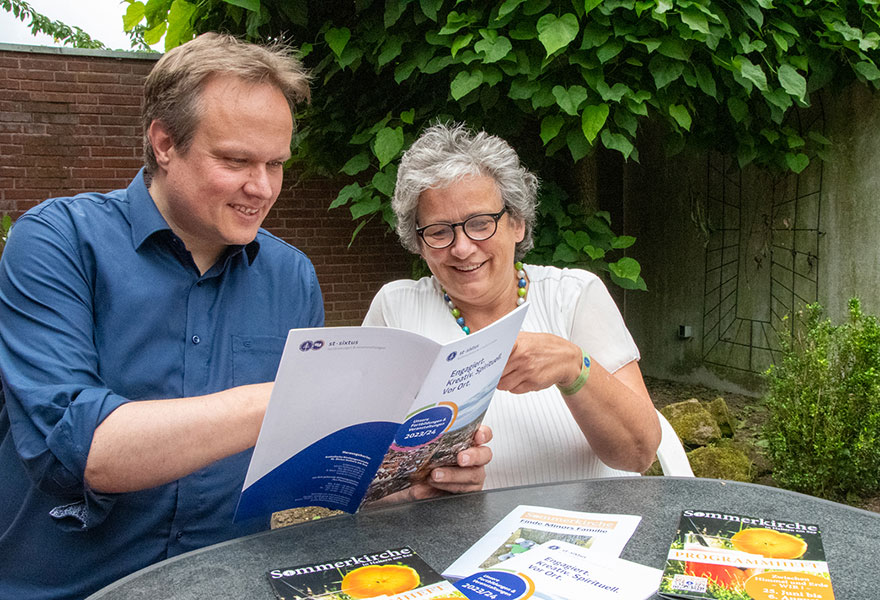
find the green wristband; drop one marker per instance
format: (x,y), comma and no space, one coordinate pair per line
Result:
(578,383)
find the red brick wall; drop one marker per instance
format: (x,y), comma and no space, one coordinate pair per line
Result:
(70,122)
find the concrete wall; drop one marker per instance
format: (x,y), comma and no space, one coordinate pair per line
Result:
(70,122)
(751,246)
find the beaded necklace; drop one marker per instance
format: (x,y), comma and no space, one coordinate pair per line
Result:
(520,297)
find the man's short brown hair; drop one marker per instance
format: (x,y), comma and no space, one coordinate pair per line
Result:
(172,89)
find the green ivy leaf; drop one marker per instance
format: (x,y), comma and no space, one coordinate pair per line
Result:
(352,190)
(550,127)
(665,71)
(622,241)
(390,50)
(577,144)
(751,72)
(508,7)
(356,164)
(593,252)
(251,5)
(464,83)
(133,15)
(792,82)
(523,89)
(593,120)
(408,116)
(337,39)
(388,144)
(565,253)
(868,70)
(626,268)
(673,48)
(365,207)
(617,141)
(454,22)
(705,80)
(461,42)
(796,162)
(393,10)
(556,33)
(695,19)
(681,115)
(430,8)
(494,50)
(739,110)
(154,35)
(609,50)
(570,100)
(384,181)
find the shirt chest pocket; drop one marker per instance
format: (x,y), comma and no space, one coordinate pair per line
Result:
(255,358)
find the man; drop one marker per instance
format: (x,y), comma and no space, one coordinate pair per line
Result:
(138,329)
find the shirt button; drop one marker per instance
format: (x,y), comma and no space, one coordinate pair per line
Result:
(179,535)
(196,339)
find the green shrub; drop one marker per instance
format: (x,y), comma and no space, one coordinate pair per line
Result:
(5,226)
(823,430)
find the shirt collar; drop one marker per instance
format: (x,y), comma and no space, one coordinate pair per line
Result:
(146,219)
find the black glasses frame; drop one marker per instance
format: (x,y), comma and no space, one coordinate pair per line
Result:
(420,231)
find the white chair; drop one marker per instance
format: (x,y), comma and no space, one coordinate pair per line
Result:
(671,454)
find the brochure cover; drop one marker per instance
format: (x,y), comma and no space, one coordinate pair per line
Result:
(558,570)
(528,526)
(355,405)
(398,574)
(737,557)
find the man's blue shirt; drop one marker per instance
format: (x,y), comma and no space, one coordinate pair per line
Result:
(101,304)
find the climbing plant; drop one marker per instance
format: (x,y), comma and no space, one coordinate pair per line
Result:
(559,79)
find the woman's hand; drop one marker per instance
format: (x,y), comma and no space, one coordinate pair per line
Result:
(613,410)
(468,476)
(539,360)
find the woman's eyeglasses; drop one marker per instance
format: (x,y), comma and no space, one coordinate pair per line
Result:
(477,228)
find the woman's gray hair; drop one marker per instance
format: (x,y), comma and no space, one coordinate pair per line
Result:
(446,153)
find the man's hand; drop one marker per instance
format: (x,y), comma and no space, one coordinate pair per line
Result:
(468,476)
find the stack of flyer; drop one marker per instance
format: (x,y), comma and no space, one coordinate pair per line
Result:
(723,556)
(553,554)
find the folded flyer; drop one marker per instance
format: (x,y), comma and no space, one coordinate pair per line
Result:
(558,570)
(358,413)
(528,526)
(720,555)
(393,574)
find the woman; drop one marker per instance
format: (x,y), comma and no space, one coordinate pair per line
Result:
(574,403)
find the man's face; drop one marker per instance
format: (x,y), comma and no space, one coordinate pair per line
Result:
(218,192)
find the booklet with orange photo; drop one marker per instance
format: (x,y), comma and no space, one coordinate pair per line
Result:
(359,413)
(391,574)
(719,555)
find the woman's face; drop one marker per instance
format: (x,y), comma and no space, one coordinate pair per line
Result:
(475,274)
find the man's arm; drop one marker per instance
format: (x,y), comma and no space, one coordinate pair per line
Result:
(144,444)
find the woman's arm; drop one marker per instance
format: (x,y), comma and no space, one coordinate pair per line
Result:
(614,411)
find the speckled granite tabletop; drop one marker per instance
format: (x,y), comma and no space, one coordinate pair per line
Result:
(440,530)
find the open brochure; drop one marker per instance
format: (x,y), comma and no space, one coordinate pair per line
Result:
(720,555)
(558,570)
(393,574)
(528,526)
(358,413)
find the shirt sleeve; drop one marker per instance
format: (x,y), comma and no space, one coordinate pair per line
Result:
(55,397)
(376,314)
(598,327)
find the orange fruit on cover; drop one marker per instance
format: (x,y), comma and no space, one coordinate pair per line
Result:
(769,543)
(729,577)
(377,580)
